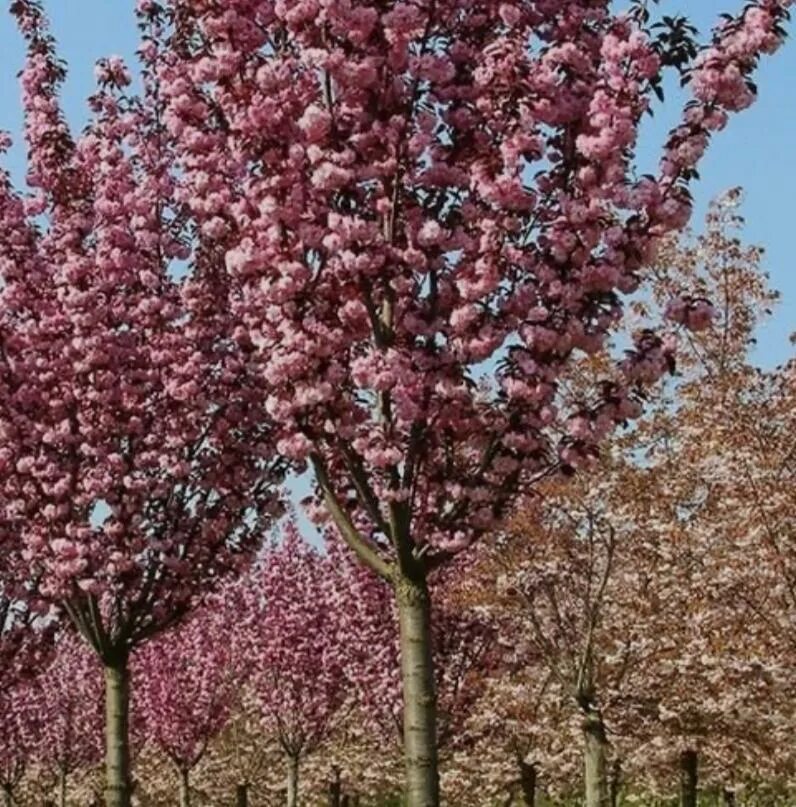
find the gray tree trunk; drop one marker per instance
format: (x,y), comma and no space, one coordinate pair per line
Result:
(729,797)
(185,788)
(594,759)
(689,778)
(242,796)
(335,790)
(292,781)
(117,742)
(8,796)
(420,704)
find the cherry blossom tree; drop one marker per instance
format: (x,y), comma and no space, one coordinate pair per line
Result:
(426,210)
(637,585)
(20,722)
(722,444)
(292,636)
(186,686)
(70,731)
(135,417)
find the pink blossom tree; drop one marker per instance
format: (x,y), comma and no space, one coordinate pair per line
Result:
(142,471)
(427,208)
(293,637)
(186,686)
(20,723)
(69,735)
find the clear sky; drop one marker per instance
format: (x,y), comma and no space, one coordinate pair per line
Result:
(757,152)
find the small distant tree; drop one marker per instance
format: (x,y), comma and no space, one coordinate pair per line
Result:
(70,690)
(291,634)
(186,685)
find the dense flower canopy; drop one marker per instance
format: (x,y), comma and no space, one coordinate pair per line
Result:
(425,209)
(136,452)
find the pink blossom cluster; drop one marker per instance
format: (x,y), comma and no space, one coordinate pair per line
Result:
(406,194)
(695,314)
(721,80)
(186,684)
(721,75)
(137,457)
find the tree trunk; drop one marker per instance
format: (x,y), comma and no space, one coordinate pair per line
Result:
(292,781)
(185,788)
(595,748)
(615,785)
(420,705)
(729,797)
(527,783)
(335,790)
(8,796)
(242,796)
(689,778)
(117,741)
(62,786)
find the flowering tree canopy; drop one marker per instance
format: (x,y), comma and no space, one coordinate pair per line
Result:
(185,687)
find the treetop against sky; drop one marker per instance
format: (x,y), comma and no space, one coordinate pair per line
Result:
(755,152)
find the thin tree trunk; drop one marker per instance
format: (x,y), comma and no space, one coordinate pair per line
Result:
(117,741)
(185,788)
(8,796)
(527,783)
(335,789)
(729,797)
(420,705)
(689,778)
(292,781)
(242,796)
(615,785)
(594,759)
(62,786)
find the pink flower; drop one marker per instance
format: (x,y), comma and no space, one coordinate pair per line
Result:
(316,123)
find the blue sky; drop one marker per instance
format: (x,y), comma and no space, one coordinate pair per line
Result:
(756,152)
